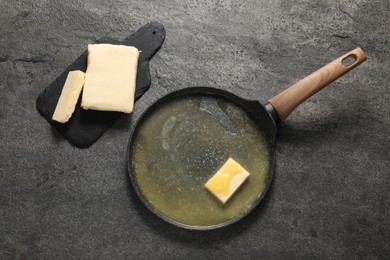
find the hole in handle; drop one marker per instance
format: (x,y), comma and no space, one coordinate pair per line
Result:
(349,60)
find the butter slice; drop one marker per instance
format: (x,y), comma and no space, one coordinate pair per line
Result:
(227,180)
(70,94)
(110,79)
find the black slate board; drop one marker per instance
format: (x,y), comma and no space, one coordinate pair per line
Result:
(86,126)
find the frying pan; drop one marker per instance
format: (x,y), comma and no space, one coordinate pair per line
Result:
(182,139)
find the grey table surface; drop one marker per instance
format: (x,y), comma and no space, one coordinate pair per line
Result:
(330,198)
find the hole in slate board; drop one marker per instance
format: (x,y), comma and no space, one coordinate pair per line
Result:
(86,126)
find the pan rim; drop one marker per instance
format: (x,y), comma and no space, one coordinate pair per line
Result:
(241,102)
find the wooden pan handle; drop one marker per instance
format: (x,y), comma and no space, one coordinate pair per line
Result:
(285,102)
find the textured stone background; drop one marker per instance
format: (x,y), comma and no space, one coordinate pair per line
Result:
(330,198)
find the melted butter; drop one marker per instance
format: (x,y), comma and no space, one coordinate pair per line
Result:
(220,183)
(178,148)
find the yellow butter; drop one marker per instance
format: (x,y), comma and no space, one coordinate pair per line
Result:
(69,96)
(227,180)
(110,79)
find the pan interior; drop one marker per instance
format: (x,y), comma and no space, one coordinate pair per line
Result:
(180,145)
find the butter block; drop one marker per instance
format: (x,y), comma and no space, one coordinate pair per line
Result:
(110,79)
(227,180)
(70,94)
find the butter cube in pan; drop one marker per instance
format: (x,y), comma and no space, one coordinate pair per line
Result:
(110,79)
(69,95)
(227,180)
